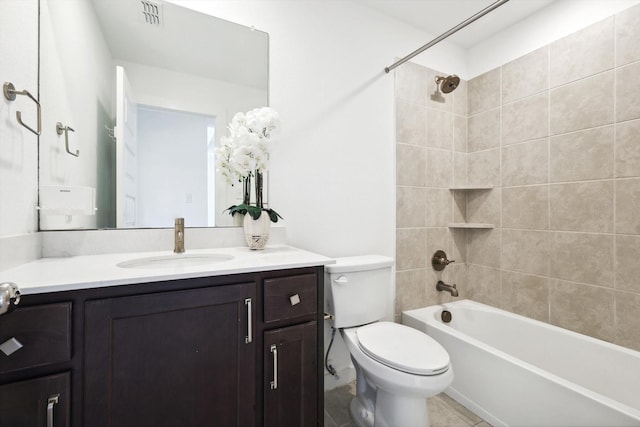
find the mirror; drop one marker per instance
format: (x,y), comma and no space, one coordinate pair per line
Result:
(141,91)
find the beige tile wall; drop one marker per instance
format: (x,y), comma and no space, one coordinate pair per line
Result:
(566,165)
(557,133)
(430,157)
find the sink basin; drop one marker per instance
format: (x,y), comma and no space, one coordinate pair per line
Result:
(173,261)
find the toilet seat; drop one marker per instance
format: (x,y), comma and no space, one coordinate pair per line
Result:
(403,348)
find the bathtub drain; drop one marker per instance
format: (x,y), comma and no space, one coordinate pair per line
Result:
(446,316)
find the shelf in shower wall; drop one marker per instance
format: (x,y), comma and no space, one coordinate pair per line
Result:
(472,225)
(471,187)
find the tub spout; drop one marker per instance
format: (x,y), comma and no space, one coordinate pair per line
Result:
(452,289)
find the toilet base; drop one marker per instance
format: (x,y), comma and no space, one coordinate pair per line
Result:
(360,415)
(391,411)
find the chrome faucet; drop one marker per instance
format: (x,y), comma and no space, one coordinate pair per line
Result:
(452,289)
(178,236)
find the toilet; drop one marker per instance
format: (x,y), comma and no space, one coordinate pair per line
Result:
(397,367)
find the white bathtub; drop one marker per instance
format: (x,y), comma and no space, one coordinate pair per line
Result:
(515,371)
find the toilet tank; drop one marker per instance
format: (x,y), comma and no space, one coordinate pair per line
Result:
(360,289)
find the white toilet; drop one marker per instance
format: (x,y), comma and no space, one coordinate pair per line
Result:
(397,367)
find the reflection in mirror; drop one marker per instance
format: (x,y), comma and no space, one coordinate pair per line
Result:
(148,97)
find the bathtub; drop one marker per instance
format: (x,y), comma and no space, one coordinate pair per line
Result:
(515,371)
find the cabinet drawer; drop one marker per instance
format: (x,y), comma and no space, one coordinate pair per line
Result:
(290,297)
(31,403)
(43,331)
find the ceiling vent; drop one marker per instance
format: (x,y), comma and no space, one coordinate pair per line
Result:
(151,13)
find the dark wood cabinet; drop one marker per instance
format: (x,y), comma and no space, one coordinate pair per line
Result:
(290,299)
(35,336)
(42,402)
(292,352)
(291,380)
(169,359)
(188,352)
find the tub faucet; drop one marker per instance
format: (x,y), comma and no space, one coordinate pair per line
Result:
(178,236)
(452,289)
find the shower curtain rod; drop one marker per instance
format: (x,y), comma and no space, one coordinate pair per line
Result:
(446,34)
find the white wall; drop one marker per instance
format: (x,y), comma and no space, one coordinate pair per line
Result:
(77,93)
(18,146)
(559,19)
(187,92)
(19,243)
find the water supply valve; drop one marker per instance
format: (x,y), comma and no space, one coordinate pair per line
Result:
(439,260)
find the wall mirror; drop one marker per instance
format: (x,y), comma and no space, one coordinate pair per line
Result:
(135,96)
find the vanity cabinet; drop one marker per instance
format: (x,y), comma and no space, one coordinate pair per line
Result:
(290,366)
(290,352)
(41,402)
(170,359)
(187,352)
(33,339)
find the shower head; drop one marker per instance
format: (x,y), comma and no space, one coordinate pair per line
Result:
(448,84)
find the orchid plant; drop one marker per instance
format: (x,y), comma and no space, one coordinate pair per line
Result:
(244,155)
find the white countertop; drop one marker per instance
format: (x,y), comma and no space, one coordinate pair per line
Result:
(95,271)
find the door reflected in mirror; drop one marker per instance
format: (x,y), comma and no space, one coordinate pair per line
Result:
(148,98)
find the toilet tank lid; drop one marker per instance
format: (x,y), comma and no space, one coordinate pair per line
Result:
(359,263)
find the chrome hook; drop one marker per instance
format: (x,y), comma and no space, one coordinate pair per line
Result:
(10,93)
(60,128)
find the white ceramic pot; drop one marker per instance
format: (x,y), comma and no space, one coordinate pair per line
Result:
(256,231)
(238,220)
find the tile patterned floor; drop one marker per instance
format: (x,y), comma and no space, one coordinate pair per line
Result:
(443,411)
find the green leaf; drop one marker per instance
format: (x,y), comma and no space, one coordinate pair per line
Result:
(254,211)
(238,209)
(273,215)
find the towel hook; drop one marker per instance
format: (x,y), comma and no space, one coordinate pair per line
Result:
(111,132)
(60,128)
(10,93)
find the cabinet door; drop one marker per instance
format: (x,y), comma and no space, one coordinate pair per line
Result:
(43,402)
(291,376)
(183,358)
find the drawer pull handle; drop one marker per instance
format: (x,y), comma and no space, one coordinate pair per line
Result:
(9,297)
(294,299)
(274,383)
(249,337)
(10,346)
(51,402)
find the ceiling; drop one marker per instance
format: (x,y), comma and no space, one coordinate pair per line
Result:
(187,41)
(438,16)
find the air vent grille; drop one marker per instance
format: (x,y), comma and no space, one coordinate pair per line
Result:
(151,13)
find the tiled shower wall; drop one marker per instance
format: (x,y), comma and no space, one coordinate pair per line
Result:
(431,147)
(557,133)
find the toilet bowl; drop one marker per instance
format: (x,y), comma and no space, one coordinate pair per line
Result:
(397,367)
(400,391)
